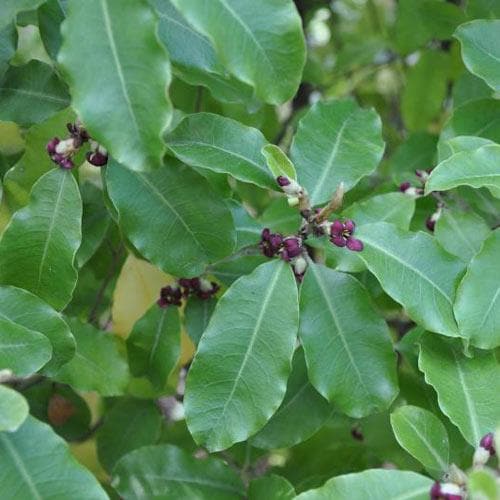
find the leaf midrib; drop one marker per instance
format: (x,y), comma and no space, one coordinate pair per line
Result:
(33,93)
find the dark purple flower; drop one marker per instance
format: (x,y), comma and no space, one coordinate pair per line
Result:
(292,246)
(488,443)
(430,223)
(270,243)
(170,295)
(66,163)
(51,146)
(97,159)
(283,181)
(404,186)
(341,235)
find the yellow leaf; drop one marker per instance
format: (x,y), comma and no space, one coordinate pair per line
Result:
(137,288)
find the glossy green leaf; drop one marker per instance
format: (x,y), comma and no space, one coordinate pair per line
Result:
(197,314)
(288,426)
(95,222)
(121,53)
(375,484)
(483,9)
(13,409)
(128,425)
(278,162)
(35,161)
(50,471)
(10,8)
(272,486)
(229,270)
(253,328)
(153,346)
(465,386)
(99,363)
(460,144)
(478,118)
(38,247)
(193,56)
(168,472)
(31,93)
(183,209)
(248,229)
(260,42)
(483,485)
(477,306)
(469,88)
(461,233)
(28,311)
(340,330)
(425,89)
(480,41)
(414,270)
(50,16)
(22,351)
(336,142)
(222,145)
(477,168)
(422,435)
(421,21)
(8,44)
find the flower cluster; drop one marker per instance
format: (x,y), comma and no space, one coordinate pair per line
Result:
(341,235)
(416,191)
(446,491)
(63,151)
(288,248)
(183,288)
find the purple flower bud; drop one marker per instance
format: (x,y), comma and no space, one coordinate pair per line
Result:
(354,244)
(266,233)
(349,226)
(336,228)
(162,302)
(97,159)
(403,187)
(488,442)
(51,146)
(275,240)
(435,491)
(338,241)
(285,256)
(283,181)
(430,223)
(66,163)
(292,246)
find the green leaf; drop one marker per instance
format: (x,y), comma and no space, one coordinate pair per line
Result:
(253,329)
(184,209)
(469,88)
(221,145)
(336,142)
(31,93)
(425,89)
(22,351)
(28,311)
(480,40)
(95,222)
(230,269)
(400,261)
(153,346)
(50,16)
(278,162)
(461,233)
(8,45)
(197,314)
(420,22)
(50,472)
(38,247)
(193,56)
(478,118)
(477,306)
(475,168)
(248,229)
(13,409)
(166,471)
(121,53)
(128,425)
(288,427)
(375,484)
(272,486)
(340,331)
(422,435)
(35,161)
(483,485)
(260,42)
(463,385)
(99,363)
(10,8)
(482,9)
(460,144)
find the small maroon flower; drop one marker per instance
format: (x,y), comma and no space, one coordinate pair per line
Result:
(341,235)
(170,295)
(404,186)
(270,243)
(97,159)
(488,443)
(445,491)
(293,246)
(51,146)
(283,181)
(66,163)
(436,491)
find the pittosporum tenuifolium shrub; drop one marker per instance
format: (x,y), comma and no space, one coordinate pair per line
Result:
(249,249)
